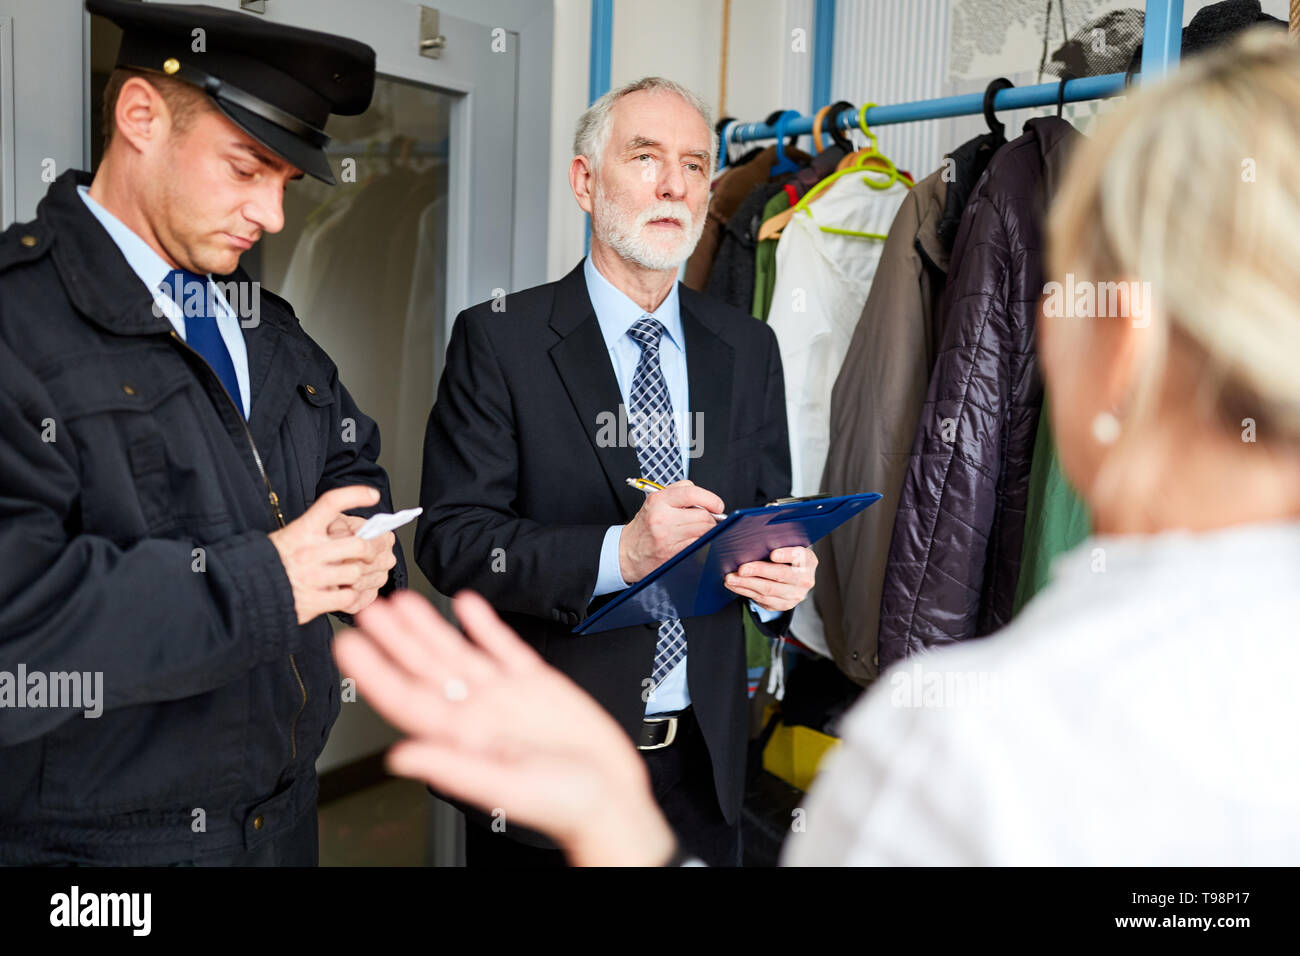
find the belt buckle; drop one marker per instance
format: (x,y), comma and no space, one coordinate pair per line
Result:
(672,732)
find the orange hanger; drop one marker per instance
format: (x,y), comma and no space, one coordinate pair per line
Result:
(817,128)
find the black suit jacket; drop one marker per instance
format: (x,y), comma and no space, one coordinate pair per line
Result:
(520,485)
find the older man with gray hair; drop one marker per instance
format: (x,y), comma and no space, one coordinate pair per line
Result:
(555,397)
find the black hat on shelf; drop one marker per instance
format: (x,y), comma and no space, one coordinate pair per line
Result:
(277,83)
(1214,25)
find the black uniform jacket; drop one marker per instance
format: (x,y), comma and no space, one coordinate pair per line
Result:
(134,510)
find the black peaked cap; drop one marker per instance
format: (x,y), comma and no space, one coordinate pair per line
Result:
(278,83)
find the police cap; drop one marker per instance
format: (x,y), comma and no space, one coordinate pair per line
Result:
(278,83)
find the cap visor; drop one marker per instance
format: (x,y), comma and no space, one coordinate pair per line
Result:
(310,159)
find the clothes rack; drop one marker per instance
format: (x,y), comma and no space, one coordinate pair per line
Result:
(1161,43)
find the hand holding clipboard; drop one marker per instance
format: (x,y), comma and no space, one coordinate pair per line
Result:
(690,583)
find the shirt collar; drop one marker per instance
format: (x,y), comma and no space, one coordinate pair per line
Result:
(617,313)
(144,262)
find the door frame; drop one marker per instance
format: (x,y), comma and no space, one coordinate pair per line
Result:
(486,201)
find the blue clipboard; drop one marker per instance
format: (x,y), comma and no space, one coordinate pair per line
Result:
(689,584)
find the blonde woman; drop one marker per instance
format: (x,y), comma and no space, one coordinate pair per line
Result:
(1141,708)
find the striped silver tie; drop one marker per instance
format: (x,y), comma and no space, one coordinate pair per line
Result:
(650,413)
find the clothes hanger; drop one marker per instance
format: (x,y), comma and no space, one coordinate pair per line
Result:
(869,160)
(995,127)
(775,115)
(837,134)
(1134,67)
(868,155)
(784,164)
(724,148)
(817,129)
(1060,93)
(825,120)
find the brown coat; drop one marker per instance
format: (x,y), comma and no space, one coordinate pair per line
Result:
(875,406)
(730,192)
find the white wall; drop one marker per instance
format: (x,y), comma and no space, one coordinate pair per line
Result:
(571,64)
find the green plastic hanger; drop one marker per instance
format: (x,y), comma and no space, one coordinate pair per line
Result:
(859,166)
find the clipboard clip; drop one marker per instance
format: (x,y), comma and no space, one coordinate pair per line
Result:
(796,500)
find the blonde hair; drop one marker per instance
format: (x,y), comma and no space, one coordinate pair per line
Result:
(1193,186)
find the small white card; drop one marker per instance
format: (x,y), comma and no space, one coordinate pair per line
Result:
(377,524)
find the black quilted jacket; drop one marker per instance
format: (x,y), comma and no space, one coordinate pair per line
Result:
(955,554)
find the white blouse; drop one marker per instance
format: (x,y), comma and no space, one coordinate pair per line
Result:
(1142,709)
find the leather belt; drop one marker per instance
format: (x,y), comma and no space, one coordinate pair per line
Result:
(660,732)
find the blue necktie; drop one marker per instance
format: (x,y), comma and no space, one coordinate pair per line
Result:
(198,305)
(650,413)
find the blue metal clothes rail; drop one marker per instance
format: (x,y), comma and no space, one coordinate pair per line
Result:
(1161,43)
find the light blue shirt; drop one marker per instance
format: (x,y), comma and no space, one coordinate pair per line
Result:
(153,271)
(616,314)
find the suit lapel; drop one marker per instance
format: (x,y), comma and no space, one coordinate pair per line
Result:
(582,361)
(710,369)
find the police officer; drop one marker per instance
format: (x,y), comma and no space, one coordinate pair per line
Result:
(182,470)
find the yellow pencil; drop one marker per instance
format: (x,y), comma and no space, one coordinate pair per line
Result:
(646,485)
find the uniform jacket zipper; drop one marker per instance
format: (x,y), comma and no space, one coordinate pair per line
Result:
(279,520)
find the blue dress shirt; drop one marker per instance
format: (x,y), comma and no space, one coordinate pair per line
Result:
(616,313)
(153,270)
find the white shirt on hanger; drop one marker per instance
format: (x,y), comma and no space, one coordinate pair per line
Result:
(822,281)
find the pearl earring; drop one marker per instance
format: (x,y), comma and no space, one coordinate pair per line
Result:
(1105,428)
